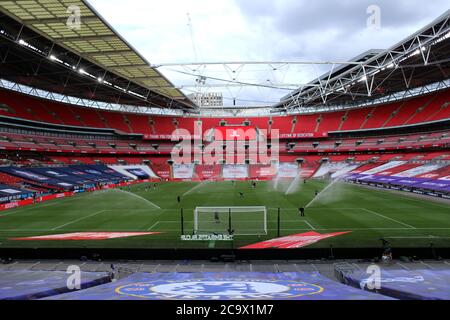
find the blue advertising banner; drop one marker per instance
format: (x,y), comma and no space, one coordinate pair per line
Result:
(141,174)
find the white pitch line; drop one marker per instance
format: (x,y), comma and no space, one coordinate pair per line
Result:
(401,195)
(154,225)
(383,216)
(79,219)
(195,188)
(336,229)
(309,224)
(429,237)
(321,208)
(19,210)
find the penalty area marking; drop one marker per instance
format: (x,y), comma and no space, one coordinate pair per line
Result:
(79,219)
(385,217)
(155,224)
(198,186)
(19,210)
(309,224)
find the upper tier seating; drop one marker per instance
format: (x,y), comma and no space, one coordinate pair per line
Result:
(91,146)
(331,121)
(378,116)
(354,119)
(427,108)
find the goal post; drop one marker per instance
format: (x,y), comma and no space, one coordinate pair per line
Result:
(230,220)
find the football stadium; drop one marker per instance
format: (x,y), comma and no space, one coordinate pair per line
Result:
(178,181)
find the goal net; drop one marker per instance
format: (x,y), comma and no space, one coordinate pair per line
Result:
(230,220)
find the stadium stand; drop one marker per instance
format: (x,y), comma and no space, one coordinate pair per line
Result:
(84,116)
(414,111)
(43,135)
(46,279)
(10,180)
(262,172)
(33,285)
(334,169)
(64,178)
(343,154)
(331,121)
(208,172)
(17,182)
(425,176)
(404,284)
(136,172)
(9,193)
(314,287)
(308,169)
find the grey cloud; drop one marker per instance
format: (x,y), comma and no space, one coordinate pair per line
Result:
(334,30)
(258,8)
(331,29)
(296,17)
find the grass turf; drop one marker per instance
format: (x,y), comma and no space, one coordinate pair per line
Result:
(370,214)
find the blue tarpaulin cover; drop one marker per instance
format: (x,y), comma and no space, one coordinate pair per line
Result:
(223,286)
(28,285)
(404,284)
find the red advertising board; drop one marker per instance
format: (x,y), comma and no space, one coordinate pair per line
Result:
(262,171)
(207,172)
(16,204)
(235,133)
(303,135)
(175,136)
(54,196)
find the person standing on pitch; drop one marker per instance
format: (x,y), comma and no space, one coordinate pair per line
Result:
(179,199)
(301,211)
(113,273)
(216,217)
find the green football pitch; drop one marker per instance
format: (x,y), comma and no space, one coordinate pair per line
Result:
(369,214)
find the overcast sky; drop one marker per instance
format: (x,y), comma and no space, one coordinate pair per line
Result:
(262,30)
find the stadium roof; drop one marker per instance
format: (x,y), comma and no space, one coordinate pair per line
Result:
(93,40)
(420,60)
